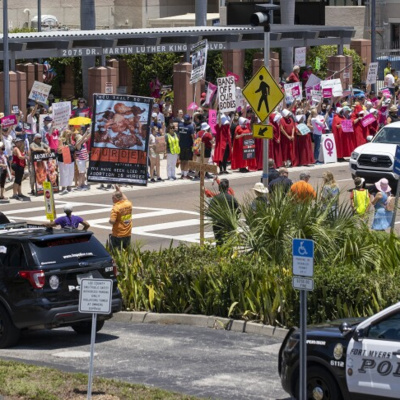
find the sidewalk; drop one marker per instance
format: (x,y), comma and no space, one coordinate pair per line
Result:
(293,174)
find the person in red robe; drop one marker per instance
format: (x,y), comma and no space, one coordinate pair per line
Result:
(302,145)
(348,138)
(359,130)
(374,127)
(288,129)
(223,145)
(337,131)
(242,132)
(275,143)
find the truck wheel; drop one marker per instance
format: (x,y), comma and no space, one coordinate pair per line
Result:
(85,327)
(321,385)
(9,333)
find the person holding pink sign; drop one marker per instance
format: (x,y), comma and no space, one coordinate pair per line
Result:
(223,145)
(360,131)
(348,138)
(338,132)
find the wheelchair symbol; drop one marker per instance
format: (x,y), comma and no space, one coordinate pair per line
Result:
(302,250)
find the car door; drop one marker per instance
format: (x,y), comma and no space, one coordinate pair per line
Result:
(373,357)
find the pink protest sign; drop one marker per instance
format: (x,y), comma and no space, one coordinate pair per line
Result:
(367,120)
(327,93)
(212,120)
(8,121)
(347,125)
(192,106)
(386,93)
(317,87)
(295,91)
(236,76)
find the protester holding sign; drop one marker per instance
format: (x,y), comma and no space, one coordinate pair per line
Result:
(18,166)
(242,132)
(302,143)
(360,132)
(337,131)
(275,151)
(65,157)
(288,129)
(223,144)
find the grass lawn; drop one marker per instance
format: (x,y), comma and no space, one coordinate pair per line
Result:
(20,381)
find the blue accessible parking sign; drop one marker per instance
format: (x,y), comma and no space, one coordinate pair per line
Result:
(303,257)
(396,165)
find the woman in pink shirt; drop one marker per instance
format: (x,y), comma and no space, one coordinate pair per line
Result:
(52,138)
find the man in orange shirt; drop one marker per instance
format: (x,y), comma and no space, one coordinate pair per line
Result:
(121,220)
(302,190)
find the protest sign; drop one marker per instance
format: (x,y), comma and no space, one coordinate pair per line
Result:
(290,89)
(192,106)
(61,114)
(300,56)
(119,140)
(372,73)
(327,93)
(368,120)
(386,93)
(236,76)
(303,129)
(15,109)
(46,170)
(39,92)
(347,125)
(249,149)
(9,120)
(227,94)
(212,120)
(199,61)
(211,89)
(240,99)
(335,85)
(313,80)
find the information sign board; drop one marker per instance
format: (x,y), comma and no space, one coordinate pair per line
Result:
(303,257)
(95,296)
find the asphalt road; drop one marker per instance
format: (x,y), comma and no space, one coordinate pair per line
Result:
(163,212)
(204,362)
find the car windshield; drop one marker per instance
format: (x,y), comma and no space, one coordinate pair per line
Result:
(388,135)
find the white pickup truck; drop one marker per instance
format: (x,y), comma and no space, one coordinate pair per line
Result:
(374,160)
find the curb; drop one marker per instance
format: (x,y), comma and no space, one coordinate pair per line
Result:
(203,321)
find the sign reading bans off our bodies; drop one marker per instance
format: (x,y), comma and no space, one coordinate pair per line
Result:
(227,94)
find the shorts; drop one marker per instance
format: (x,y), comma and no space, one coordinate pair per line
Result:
(18,174)
(81,164)
(186,154)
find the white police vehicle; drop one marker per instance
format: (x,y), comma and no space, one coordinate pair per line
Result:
(347,360)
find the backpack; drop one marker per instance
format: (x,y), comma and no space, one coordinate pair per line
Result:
(196,146)
(361,201)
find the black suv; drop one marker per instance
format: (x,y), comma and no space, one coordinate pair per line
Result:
(40,274)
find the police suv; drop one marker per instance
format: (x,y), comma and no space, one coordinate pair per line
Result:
(40,274)
(347,359)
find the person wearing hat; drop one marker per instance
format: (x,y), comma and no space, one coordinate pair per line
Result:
(382,217)
(360,131)
(288,129)
(186,135)
(36,147)
(242,132)
(82,109)
(302,190)
(3,171)
(261,199)
(69,221)
(294,76)
(393,114)
(337,131)
(18,166)
(360,198)
(275,151)
(47,129)
(205,137)
(223,143)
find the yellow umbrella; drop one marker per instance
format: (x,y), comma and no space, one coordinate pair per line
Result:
(80,121)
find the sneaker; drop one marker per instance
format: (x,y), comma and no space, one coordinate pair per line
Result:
(101,187)
(23,197)
(152,180)
(65,191)
(171,179)
(84,188)
(174,178)
(32,193)
(15,197)
(160,179)
(226,172)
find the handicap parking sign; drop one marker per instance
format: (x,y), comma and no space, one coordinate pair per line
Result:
(303,257)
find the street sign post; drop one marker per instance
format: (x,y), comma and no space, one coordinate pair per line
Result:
(396,170)
(94,298)
(263,93)
(303,267)
(261,131)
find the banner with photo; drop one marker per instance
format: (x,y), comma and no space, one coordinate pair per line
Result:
(119,142)
(46,170)
(199,61)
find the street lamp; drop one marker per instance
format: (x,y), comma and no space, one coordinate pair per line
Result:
(262,18)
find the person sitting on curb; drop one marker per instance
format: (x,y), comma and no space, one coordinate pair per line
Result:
(69,221)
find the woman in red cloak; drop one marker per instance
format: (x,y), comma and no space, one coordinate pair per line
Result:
(374,127)
(223,145)
(348,138)
(359,130)
(275,143)
(242,132)
(287,127)
(302,145)
(337,131)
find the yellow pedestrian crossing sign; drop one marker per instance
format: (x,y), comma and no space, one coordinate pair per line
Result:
(263,93)
(263,131)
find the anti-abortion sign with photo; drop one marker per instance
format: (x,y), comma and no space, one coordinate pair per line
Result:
(335,85)
(293,91)
(372,73)
(199,61)
(119,141)
(61,114)
(249,149)
(300,56)
(39,92)
(46,170)
(226,94)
